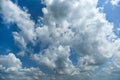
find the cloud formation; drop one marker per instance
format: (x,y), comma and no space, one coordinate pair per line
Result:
(11,68)
(68,27)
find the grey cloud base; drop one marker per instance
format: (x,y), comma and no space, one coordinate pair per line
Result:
(76,25)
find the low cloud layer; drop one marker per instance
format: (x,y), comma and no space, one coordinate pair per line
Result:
(75,27)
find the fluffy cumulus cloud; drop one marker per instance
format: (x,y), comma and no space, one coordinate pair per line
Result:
(10,62)
(68,29)
(11,68)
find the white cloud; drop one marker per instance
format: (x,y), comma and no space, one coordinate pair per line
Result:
(85,31)
(75,24)
(10,61)
(115,2)
(11,68)
(57,59)
(81,26)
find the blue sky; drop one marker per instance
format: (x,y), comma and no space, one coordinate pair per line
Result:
(55,38)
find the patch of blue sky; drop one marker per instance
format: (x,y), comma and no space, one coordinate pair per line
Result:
(34,7)
(37,47)
(73,56)
(7,43)
(28,62)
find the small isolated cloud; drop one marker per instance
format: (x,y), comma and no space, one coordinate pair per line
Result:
(68,27)
(115,2)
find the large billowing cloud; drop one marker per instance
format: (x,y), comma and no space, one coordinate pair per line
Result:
(75,27)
